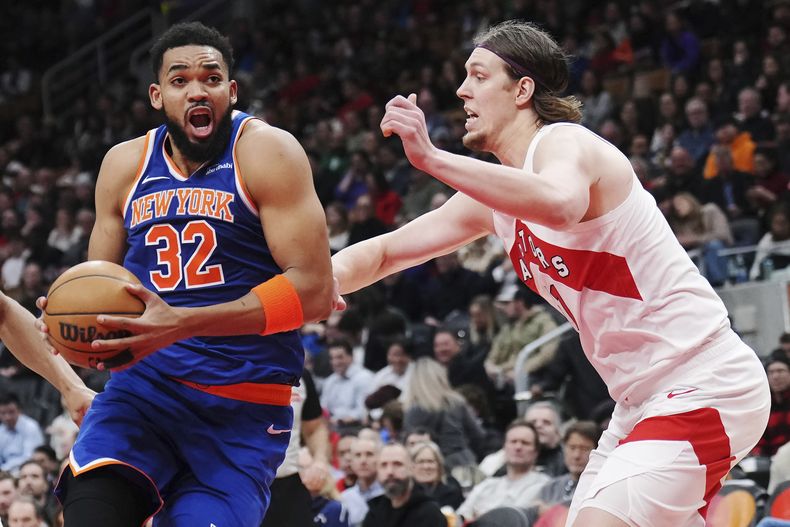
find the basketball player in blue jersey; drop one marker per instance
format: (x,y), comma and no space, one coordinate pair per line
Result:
(216,214)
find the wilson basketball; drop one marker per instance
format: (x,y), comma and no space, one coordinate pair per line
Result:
(74,301)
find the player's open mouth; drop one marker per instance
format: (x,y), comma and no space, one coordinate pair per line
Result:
(471,117)
(200,122)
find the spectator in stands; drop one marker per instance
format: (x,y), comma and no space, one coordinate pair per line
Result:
(343,393)
(33,482)
(398,369)
(464,364)
(770,249)
(24,512)
(45,456)
(681,175)
(740,145)
(728,188)
(337,224)
(769,183)
(364,456)
(386,201)
(430,474)
(578,441)
(527,320)
(545,417)
(698,137)
(404,504)
(430,403)
(483,323)
(19,434)
(364,223)
(753,119)
(598,104)
(680,48)
(479,255)
(66,232)
(8,494)
(703,227)
(32,287)
(416,436)
(768,82)
(778,431)
(520,485)
(344,455)
(450,289)
(417,200)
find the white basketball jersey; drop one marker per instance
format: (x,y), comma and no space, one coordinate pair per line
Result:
(640,305)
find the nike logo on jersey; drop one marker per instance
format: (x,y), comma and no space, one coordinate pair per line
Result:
(275,431)
(152,178)
(672,394)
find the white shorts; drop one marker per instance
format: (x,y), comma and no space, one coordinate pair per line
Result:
(660,462)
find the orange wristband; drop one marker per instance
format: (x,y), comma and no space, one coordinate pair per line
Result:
(281,305)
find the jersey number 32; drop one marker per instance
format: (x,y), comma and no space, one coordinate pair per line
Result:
(195,273)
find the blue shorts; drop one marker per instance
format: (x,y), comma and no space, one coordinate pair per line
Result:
(207,460)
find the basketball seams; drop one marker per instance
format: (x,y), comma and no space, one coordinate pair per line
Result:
(89,276)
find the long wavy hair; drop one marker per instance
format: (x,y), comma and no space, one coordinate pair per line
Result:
(429,388)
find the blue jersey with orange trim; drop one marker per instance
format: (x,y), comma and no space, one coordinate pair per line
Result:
(198,241)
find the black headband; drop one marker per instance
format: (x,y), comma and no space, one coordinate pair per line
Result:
(519,70)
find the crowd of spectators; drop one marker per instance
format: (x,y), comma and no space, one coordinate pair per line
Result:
(703,115)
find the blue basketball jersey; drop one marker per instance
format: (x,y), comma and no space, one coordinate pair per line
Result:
(197,240)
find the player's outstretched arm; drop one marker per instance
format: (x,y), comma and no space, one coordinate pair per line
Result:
(557,195)
(18,332)
(459,221)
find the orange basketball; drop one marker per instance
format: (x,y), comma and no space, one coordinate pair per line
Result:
(76,298)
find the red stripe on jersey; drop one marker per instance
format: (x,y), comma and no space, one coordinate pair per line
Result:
(578,269)
(704,430)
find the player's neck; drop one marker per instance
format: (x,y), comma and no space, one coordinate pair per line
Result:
(515,140)
(184,164)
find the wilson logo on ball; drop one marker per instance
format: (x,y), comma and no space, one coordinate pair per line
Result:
(74,333)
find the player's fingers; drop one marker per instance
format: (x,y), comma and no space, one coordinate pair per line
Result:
(398,100)
(141,292)
(41,303)
(119,322)
(413,98)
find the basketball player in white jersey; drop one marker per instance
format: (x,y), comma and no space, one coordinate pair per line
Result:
(692,399)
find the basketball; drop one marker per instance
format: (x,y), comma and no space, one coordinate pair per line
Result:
(74,301)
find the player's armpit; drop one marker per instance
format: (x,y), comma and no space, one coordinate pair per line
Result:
(276,171)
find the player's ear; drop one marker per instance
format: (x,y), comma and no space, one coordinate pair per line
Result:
(155,94)
(525,90)
(234,90)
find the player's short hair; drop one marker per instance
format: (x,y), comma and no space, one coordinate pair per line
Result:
(190,34)
(531,52)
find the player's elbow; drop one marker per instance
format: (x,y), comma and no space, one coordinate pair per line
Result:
(317,303)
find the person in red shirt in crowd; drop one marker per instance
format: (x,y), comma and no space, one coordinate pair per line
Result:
(778,431)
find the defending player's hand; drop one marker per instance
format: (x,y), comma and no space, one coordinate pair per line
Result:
(156,328)
(41,303)
(338,302)
(404,117)
(78,401)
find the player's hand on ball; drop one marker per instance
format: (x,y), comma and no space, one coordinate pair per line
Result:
(156,328)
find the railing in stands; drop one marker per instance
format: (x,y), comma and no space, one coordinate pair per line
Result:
(522,393)
(98,62)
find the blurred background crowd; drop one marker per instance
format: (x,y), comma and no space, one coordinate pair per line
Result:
(696,94)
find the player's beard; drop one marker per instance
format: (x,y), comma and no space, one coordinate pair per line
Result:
(204,150)
(474,142)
